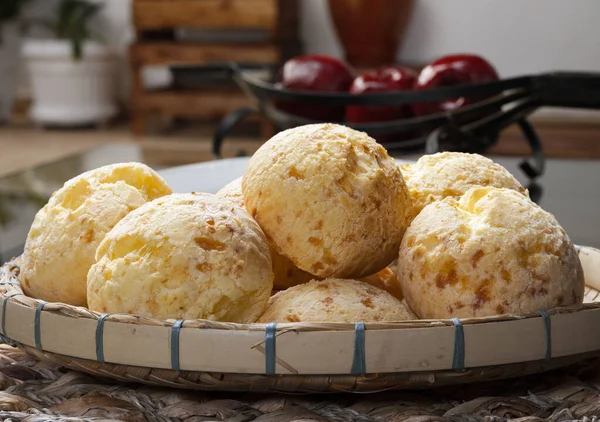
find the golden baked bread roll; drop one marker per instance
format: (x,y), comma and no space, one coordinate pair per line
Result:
(334,300)
(451,174)
(184,256)
(329,198)
(410,311)
(63,238)
(233,192)
(285,272)
(387,280)
(493,251)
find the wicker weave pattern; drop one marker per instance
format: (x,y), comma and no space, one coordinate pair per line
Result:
(36,391)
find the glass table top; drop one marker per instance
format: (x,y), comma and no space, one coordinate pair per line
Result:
(570,190)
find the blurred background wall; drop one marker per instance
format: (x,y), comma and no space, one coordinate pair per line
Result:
(511,34)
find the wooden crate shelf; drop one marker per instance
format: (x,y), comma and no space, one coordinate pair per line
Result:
(155,23)
(214,103)
(160,53)
(210,14)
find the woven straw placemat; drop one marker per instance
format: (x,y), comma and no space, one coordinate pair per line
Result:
(40,391)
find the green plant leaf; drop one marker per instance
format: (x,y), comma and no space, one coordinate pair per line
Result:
(77,48)
(73,21)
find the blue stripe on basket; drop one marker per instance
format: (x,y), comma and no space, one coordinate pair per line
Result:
(458,360)
(100,338)
(175,344)
(9,283)
(270,354)
(548,328)
(4,311)
(359,364)
(37,326)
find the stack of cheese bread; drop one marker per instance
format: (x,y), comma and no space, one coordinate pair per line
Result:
(308,234)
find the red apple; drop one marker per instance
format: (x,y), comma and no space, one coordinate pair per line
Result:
(392,78)
(318,73)
(384,79)
(452,70)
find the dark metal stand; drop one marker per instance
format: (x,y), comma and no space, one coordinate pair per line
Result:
(508,102)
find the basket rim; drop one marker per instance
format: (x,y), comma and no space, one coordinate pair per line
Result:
(13,291)
(306,384)
(348,350)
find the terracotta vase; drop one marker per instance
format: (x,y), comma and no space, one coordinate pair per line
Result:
(370,30)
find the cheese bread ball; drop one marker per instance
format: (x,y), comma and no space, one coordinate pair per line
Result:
(334,300)
(233,192)
(184,256)
(330,198)
(493,251)
(450,174)
(387,280)
(410,311)
(285,272)
(63,238)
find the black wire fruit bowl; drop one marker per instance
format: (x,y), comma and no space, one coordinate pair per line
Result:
(473,128)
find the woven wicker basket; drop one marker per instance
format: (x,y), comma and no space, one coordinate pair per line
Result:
(302,357)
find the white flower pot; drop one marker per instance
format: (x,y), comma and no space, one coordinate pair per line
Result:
(9,68)
(70,92)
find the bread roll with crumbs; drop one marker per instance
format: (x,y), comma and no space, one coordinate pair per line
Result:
(451,174)
(334,300)
(63,238)
(184,256)
(491,252)
(329,198)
